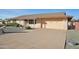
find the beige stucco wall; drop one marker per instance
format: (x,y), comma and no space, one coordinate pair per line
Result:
(37,25)
(50,24)
(62,24)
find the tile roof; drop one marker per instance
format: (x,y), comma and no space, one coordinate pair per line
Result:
(45,15)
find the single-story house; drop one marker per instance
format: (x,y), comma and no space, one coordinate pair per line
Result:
(47,20)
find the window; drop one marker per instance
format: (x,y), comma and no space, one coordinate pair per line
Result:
(31,21)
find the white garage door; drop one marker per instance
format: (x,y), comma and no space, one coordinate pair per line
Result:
(56,25)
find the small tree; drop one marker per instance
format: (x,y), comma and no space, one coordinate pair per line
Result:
(3,22)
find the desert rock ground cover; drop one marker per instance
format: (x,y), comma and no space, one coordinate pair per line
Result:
(72,36)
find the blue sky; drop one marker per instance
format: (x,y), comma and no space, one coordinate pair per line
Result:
(8,13)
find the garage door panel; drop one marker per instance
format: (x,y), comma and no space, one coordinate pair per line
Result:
(56,24)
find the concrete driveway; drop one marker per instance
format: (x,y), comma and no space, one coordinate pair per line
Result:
(36,39)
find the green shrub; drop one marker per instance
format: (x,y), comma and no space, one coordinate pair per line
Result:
(28,27)
(14,24)
(18,25)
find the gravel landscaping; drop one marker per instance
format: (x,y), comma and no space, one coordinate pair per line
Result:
(72,39)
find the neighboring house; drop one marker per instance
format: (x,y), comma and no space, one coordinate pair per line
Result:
(71,25)
(47,20)
(10,21)
(76,23)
